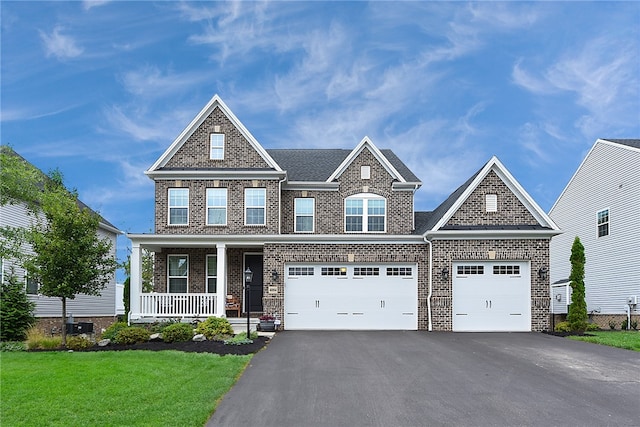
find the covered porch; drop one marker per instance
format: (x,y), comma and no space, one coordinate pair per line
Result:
(194,276)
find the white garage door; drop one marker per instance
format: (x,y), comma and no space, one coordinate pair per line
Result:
(352,297)
(491,296)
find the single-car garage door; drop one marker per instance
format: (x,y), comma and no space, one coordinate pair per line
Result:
(364,297)
(491,296)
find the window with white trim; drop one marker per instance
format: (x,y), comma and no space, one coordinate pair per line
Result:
(212,274)
(216,206)
(216,146)
(255,206)
(32,286)
(304,212)
(178,206)
(603,223)
(177,273)
(365,213)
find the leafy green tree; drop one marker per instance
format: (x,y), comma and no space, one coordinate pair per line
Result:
(16,310)
(577,316)
(18,185)
(70,258)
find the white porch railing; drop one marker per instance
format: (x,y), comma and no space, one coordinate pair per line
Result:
(177,305)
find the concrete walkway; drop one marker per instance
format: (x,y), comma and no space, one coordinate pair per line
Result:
(384,378)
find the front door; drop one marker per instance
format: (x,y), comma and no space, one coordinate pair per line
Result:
(254,263)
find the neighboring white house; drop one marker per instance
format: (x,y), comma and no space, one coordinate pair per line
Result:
(601,205)
(99,310)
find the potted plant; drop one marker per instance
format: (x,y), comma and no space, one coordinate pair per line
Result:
(267,323)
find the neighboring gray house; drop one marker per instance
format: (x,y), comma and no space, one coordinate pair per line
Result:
(601,205)
(332,239)
(99,310)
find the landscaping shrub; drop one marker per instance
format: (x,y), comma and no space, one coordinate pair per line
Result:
(623,325)
(12,346)
(177,332)
(132,335)
(36,340)
(612,324)
(16,310)
(159,327)
(111,332)
(78,343)
(634,325)
(592,327)
(563,327)
(215,328)
(241,339)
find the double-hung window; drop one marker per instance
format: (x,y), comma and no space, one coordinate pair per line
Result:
(304,212)
(216,146)
(212,274)
(178,273)
(603,223)
(178,206)
(32,286)
(365,213)
(254,206)
(216,206)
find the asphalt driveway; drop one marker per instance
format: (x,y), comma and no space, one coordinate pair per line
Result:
(387,378)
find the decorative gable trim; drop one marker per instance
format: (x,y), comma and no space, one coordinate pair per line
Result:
(197,121)
(366,143)
(495,165)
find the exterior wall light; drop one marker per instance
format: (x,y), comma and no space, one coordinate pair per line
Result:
(445,273)
(274,276)
(542,273)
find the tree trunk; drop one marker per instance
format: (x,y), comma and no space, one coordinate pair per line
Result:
(64,321)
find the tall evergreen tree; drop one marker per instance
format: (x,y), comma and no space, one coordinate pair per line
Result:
(577,316)
(16,310)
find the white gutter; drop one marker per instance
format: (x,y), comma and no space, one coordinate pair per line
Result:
(280,204)
(428,242)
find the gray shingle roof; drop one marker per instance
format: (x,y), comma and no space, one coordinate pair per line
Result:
(316,165)
(635,143)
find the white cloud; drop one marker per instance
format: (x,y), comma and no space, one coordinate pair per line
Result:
(59,45)
(150,82)
(90,4)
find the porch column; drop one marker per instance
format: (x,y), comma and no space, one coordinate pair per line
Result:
(135,281)
(221,282)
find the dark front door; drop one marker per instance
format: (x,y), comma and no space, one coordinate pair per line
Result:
(254,263)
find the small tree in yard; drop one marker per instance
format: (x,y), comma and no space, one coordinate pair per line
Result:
(16,310)
(70,258)
(577,316)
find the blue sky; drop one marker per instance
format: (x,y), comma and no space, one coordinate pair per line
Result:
(100,89)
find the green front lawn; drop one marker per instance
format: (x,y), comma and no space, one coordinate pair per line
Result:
(132,388)
(629,340)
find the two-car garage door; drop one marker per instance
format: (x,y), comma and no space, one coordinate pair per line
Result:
(491,296)
(351,297)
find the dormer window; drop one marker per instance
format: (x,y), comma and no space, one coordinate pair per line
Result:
(216,150)
(365,213)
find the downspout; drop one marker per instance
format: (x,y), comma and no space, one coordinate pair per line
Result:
(428,242)
(280,204)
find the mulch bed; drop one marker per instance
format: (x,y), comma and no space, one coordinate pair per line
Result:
(217,347)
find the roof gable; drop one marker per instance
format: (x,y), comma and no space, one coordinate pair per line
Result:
(366,144)
(632,145)
(445,212)
(208,109)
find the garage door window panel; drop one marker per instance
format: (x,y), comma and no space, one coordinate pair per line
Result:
(511,270)
(301,271)
(333,271)
(466,270)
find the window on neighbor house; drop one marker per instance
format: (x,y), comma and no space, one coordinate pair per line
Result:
(32,286)
(603,223)
(304,212)
(178,206)
(216,206)
(254,206)
(212,274)
(178,273)
(365,213)
(216,146)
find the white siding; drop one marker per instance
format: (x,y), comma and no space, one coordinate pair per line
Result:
(82,305)
(609,178)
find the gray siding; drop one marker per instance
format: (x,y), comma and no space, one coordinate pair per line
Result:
(83,305)
(608,178)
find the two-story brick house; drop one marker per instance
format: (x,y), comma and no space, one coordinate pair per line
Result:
(332,239)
